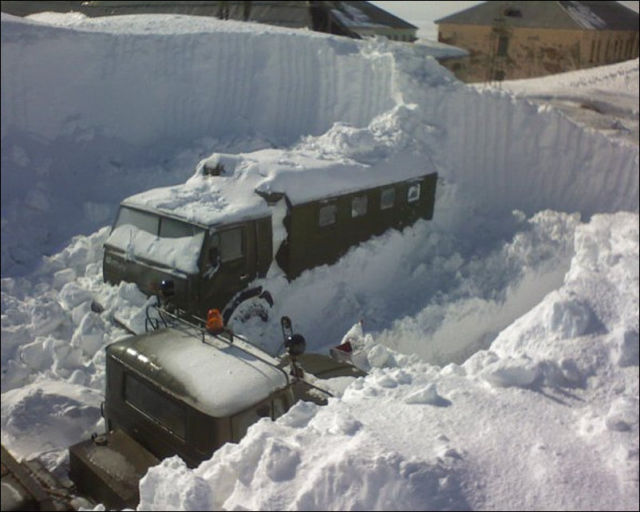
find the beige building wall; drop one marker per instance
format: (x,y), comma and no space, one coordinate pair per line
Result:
(506,53)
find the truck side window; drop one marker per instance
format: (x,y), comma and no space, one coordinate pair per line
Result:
(327,214)
(240,423)
(387,198)
(279,406)
(413,194)
(228,244)
(358,206)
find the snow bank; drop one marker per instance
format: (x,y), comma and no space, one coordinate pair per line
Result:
(100,109)
(55,413)
(563,427)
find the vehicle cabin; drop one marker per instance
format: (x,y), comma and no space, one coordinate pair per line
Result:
(182,391)
(240,214)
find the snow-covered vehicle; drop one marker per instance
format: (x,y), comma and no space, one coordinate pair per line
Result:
(239,214)
(183,390)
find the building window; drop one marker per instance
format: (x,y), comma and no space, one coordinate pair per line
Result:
(593,51)
(598,47)
(503,44)
(413,194)
(498,75)
(513,12)
(387,198)
(358,206)
(327,214)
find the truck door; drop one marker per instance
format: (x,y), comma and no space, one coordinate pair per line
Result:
(229,264)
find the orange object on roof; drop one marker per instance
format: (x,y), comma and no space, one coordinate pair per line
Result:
(215,323)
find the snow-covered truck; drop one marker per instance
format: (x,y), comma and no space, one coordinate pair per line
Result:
(185,391)
(241,215)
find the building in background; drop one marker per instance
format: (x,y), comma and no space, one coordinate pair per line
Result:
(367,20)
(511,40)
(350,19)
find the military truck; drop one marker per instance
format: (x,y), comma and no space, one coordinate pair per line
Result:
(183,390)
(241,215)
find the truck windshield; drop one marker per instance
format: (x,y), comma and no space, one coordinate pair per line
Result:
(163,240)
(155,406)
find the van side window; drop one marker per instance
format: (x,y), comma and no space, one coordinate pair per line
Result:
(327,214)
(413,194)
(358,206)
(387,198)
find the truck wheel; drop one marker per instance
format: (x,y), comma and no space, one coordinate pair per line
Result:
(249,304)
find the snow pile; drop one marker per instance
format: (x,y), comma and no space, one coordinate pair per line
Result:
(55,413)
(550,408)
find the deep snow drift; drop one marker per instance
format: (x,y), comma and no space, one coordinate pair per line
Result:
(139,100)
(515,270)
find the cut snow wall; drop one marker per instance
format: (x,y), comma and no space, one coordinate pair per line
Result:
(512,154)
(143,88)
(90,117)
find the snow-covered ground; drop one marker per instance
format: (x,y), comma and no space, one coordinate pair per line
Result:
(605,98)
(501,337)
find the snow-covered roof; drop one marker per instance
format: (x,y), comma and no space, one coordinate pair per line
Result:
(237,194)
(365,15)
(214,377)
(572,15)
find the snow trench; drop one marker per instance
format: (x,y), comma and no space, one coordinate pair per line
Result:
(103,109)
(107,112)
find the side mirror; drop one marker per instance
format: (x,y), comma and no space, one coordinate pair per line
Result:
(295,345)
(214,256)
(167,288)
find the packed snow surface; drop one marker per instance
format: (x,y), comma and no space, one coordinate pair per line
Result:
(501,338)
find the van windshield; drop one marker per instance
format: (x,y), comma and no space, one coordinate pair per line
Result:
(163,240)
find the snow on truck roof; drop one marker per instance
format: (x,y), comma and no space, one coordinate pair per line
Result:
(215,378)
(236,194)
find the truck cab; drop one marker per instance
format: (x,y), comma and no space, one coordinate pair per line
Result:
(183,391)
(207,264)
